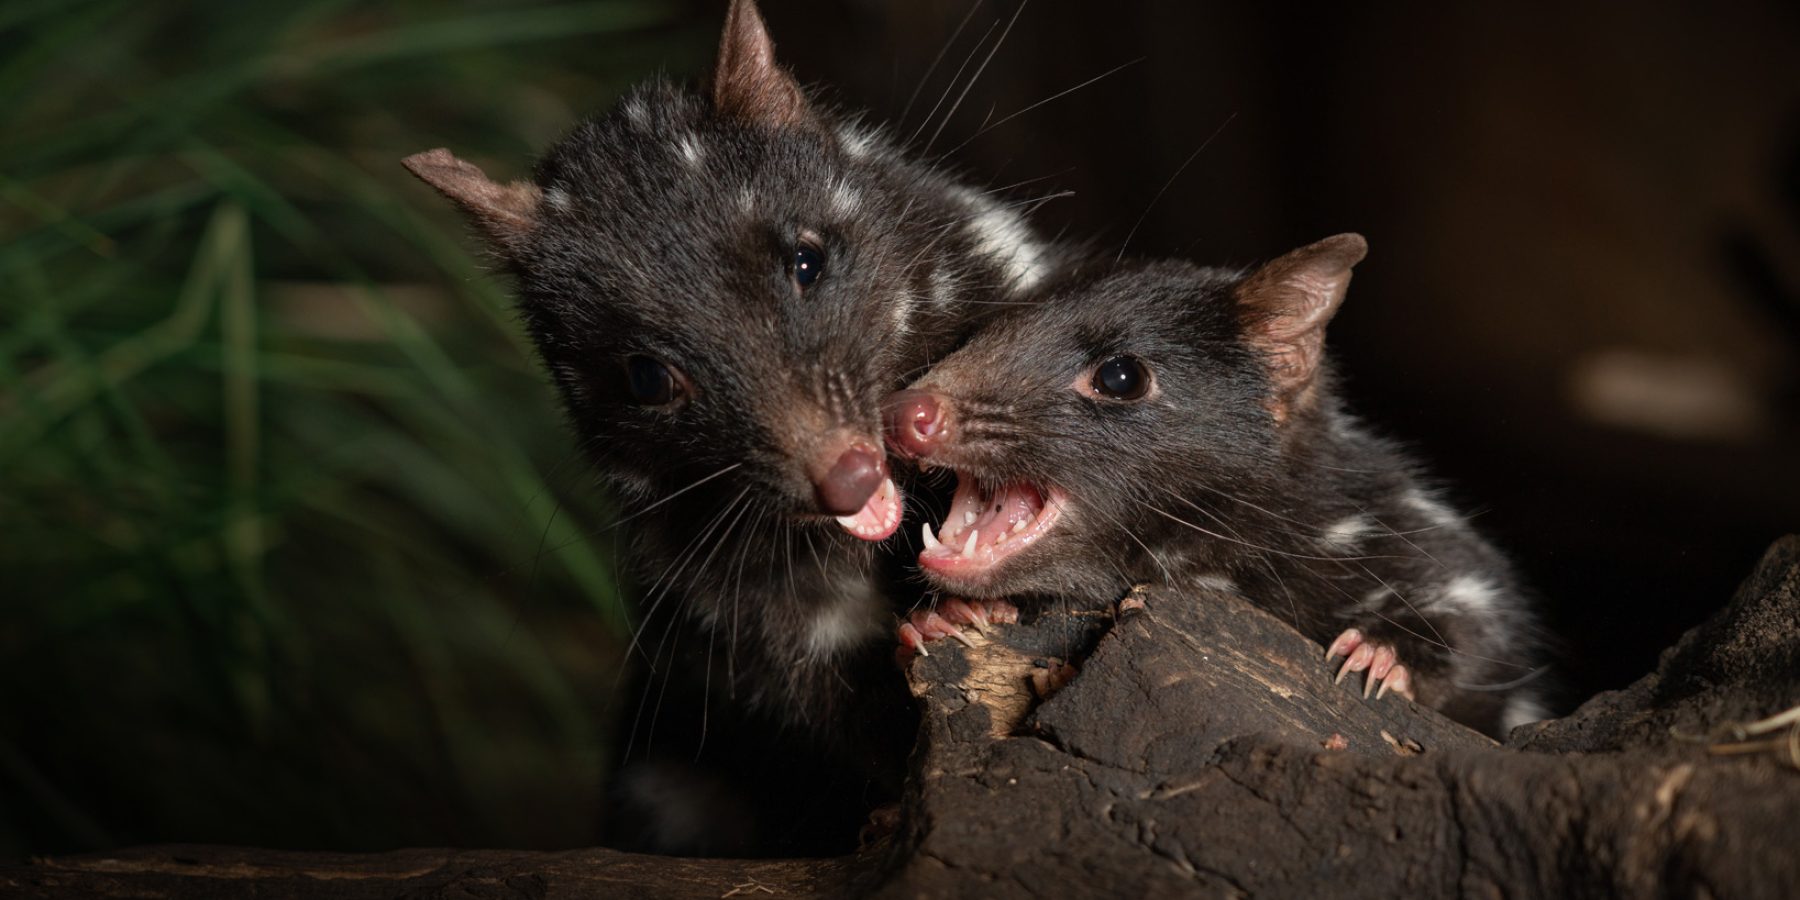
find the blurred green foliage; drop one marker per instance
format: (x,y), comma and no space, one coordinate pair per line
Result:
(293,547)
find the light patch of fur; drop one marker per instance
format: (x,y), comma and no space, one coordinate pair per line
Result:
(1466,594)
(1374,600)
(746,201)
(1434,512)
(853,616)
(690,150)
(1344,533)
(636,114)
(943,288)
(844,200)
(902,312)
(1522,710)
(1003,236)
(557,198)
(1214,582)
(856,142)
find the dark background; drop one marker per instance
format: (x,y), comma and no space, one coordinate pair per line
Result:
(1582,299)
(313,567)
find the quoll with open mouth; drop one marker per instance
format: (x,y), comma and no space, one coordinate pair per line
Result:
(1163,422)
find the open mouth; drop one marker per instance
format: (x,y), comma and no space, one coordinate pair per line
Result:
(987,526)
(879,517)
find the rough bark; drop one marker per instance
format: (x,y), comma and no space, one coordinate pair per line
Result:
(1203,750)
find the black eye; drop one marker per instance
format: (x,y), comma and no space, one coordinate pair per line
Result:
(651,382)
(809,264)
(1122,378)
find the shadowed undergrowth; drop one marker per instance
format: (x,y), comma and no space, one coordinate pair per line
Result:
(293,548)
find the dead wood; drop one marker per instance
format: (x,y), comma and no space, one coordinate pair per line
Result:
(1203,750)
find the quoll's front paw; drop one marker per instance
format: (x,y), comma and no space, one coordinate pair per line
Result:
(948,619)
(1379,660)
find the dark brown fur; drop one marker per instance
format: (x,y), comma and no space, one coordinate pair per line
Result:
(1240,468)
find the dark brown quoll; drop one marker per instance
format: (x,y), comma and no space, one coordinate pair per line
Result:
(725,283)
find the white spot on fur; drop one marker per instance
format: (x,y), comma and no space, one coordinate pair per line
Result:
(856,142)
(1344,533)
(943,288)
(1002,235)
(902,312)
(557,198)
(690,149)
(1215,582)
(746,201)
(1522,710)
(1434,512)
(1374,600)
(844,200)
(636,114)
(1467,594)
(849,619)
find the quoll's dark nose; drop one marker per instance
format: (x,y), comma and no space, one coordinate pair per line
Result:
(851,480)
(917,422)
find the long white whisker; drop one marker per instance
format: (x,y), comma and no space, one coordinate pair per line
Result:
(1168,184)
(952,85)
(935,62)
(676,494)
(1058,95)
(976,77)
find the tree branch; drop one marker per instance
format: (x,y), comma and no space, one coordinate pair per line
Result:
(1204,750)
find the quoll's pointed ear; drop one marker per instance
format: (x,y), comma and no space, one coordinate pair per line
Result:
(507,214)
(747,82)
(1285,306)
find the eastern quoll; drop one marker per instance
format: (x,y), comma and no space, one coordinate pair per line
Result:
(724,284)
(1161,422)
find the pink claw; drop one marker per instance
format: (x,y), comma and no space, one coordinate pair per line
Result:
(911,641)
(1345,644)
(1399,680)
(965,612)
(1381,661)
(1358,661)
(921,627)
(1379,667)
(937,627)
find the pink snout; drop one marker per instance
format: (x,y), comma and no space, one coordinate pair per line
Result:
(917,422)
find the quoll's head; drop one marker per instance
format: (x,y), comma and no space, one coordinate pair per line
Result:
(720,278)
(1090,426)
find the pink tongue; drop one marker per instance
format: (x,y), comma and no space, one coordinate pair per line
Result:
(879,517)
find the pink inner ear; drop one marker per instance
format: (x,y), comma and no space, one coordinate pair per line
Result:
(1307,300)
(1287,303)
(506,213)
(747,82)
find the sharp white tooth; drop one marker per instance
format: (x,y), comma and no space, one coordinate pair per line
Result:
(969,548)
(1018,526)
(1002,538)
(969,517)
(931,541)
